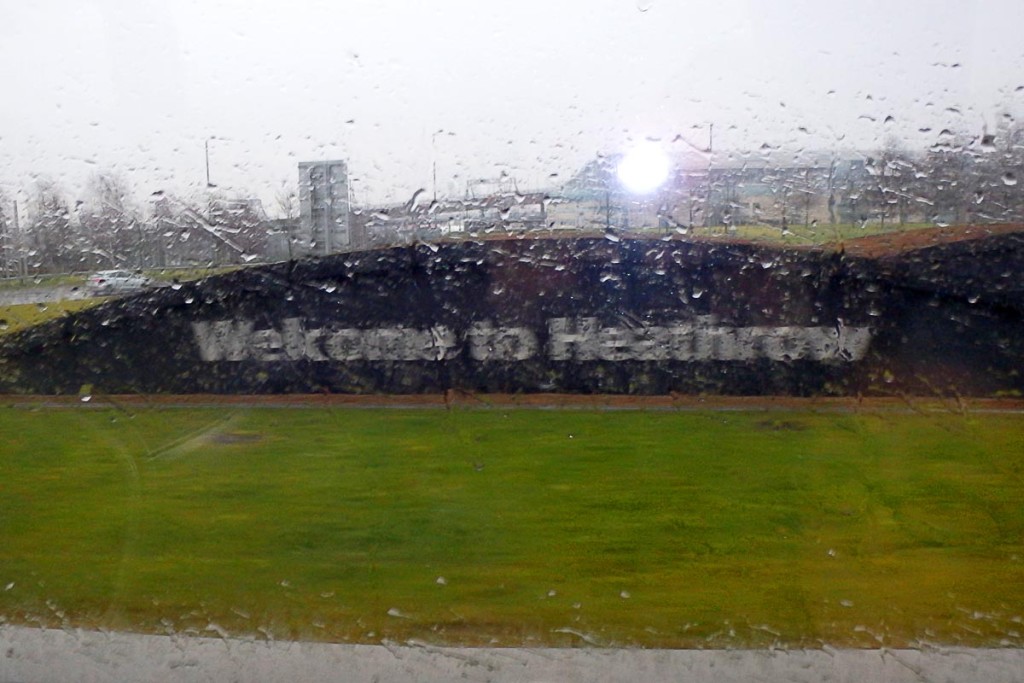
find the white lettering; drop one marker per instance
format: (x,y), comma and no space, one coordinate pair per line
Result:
(488,343)
(583,340)
(572,340)
(266,345)
(299,343)
(223,340)
(569,339)
(344,345)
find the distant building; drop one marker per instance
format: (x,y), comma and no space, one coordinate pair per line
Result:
(501,213)
(323,209)
(769,188)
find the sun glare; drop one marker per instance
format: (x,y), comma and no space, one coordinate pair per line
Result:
(644,168)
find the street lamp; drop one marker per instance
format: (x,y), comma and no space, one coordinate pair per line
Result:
(206,144)
(433,148)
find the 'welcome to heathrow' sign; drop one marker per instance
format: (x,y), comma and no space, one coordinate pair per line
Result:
(568,339)
(590,315)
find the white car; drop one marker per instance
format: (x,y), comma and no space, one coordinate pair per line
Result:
(107,282)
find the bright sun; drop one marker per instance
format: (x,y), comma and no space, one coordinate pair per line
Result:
(644,168)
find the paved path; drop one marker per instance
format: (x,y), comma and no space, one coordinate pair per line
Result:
(28,654)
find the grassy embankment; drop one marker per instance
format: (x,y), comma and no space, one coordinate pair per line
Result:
(795,235)
(517,526)
(21,316)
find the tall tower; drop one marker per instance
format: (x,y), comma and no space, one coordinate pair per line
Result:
(323,207)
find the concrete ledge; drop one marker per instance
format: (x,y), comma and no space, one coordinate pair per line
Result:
(28,654)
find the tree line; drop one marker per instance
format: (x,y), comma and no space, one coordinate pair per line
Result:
(107,228)
(961,179)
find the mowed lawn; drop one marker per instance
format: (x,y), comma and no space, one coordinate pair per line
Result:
(495,526)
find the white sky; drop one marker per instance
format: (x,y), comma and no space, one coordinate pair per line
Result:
(532,87)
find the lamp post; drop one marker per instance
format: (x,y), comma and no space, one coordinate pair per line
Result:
(433,148)
(206,147)
(709,151)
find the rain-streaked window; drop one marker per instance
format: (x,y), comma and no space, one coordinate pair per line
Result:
(565,342)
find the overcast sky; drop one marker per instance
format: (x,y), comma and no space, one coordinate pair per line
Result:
(531,87)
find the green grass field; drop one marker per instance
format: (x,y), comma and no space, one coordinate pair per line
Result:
(799,234)
(796,235)
(562,527)
(21,316)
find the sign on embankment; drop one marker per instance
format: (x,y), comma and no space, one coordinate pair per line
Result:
(591,315)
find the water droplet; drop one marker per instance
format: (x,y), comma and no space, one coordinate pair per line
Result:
(1009,179)
(218,629)
(697,293)
(441,581)
(86,398)
(624,595)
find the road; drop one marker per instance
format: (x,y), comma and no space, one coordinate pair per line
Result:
(39,295)
(31,654)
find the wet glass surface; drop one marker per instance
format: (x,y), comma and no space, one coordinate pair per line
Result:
(612,327)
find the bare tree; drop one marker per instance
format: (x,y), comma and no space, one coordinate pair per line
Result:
(50,230)
(287,200)
(112,230)
(891,190)
(950,179)
(1001,167)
